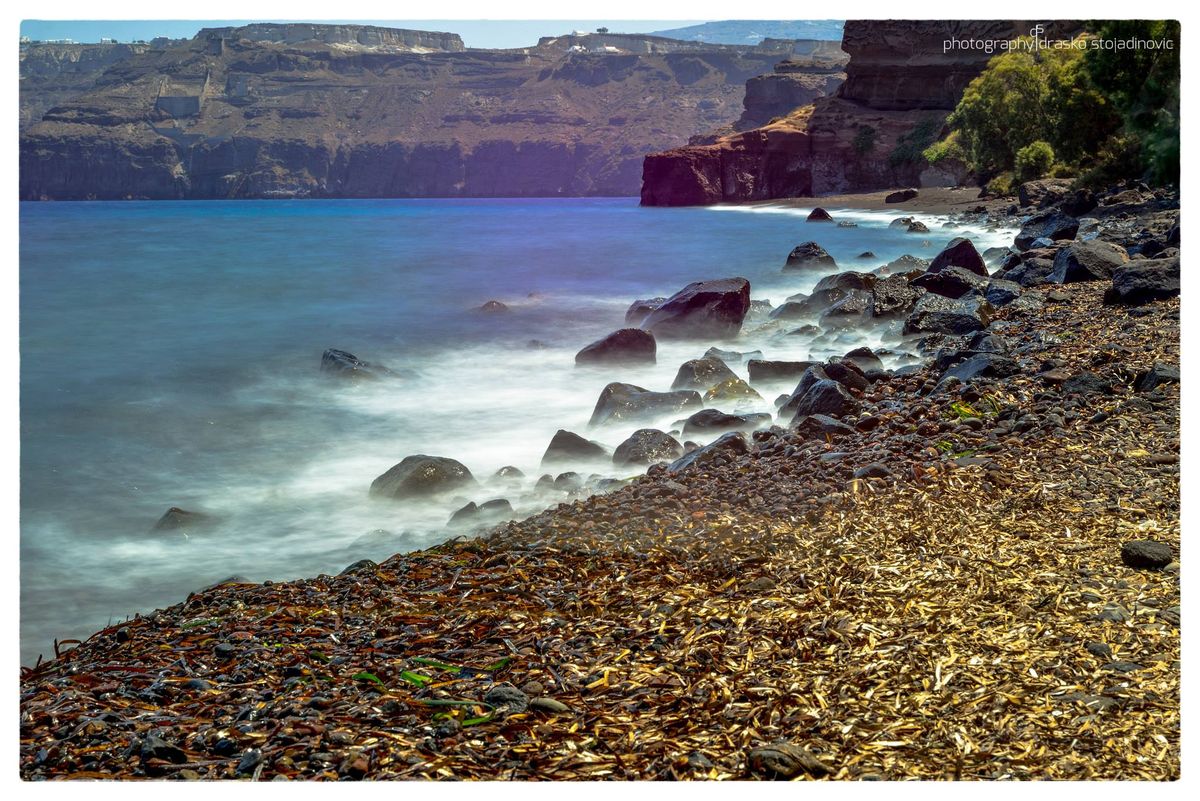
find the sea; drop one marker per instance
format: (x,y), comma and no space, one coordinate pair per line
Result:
(171,352)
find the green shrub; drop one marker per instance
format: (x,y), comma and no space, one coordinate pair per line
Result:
(948,148)
(1107,113)
(1119,157)
(1143,86)
(1027,96)
(1034,160)
(1003,184)
(864,140)
(910,148)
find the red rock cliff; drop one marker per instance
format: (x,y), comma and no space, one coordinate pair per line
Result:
(901,83)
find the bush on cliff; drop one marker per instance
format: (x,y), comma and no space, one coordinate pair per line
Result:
(864,140)
(947,149)
(1034,160)
(1025,97)
(911,146)
(1103,107)
(1143,84)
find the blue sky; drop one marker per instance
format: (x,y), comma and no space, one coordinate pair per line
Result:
(475,33)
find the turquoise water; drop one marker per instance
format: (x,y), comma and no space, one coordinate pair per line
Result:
(170,354)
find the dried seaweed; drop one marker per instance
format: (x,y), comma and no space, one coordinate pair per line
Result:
(967,621)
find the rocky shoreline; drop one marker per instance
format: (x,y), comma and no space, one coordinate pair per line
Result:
(962,568)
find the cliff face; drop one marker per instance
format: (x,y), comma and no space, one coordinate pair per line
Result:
(51,74)
(901,84)
(348,111)
(790,86)
(370,36)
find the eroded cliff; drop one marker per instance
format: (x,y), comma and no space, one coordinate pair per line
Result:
(902,81)
(350,111)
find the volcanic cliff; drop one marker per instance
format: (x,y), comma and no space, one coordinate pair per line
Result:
(357,111)
(901,84)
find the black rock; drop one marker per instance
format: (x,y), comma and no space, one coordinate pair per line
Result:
(846,282)
(640,308)
(998,255)
(713,421)
(818,426)
(759,309)
(345,365)
(1028,272)
(1078,203)
(568,481)
(493,307)
(766,371)
(250,761)
(1144,281)
(810,306)
(867,254)
(901,222)
(951,282)
(1087,383)
(702,309)
(729,445)
(850,310)
(1149,380)
(1093,260)
(934,314)
(625,402)
(1049,225)
(809,255)
(827,397)
(819,215)
(809,378)
(894,296)
(482,514)
(1147,554)
(176,519)
(647,446)
(358,567)
(864,358)
(983,365)
(1000,292)
(626,346)
(509,473)
(155,747)
(846,373)
(873,470)
(506,695)
(567,446)
(733,356)
(701,374)
(901,196)
(906,263)
(959,253)
(421,476)
(917,227)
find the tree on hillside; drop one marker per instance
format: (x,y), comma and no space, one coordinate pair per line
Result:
(1142,79)
(1022,97)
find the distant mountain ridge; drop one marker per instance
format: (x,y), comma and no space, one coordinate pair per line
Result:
(308,110)
(743,32)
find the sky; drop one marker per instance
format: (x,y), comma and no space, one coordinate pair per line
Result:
(475,33)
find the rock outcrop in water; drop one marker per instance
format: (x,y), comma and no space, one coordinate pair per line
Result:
(900,86)
(421,476)
(304,110)
(702,309)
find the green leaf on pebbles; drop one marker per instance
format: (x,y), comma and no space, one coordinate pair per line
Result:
(371,677)
(418,679)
